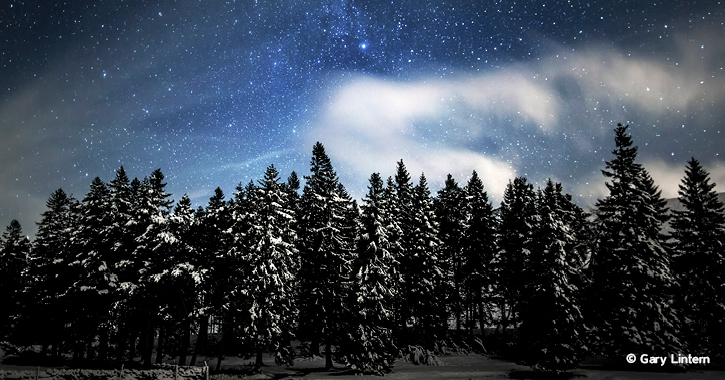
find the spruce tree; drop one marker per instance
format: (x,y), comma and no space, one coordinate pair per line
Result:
(269,270)
(123,235)
(479,248)
(452,220)
(632,283)
(96,264)
(325,255)
(699,261)
(425,280)
(150,258)
(551,335)
(52,273)
(369,344)
(14,279)
(518,219)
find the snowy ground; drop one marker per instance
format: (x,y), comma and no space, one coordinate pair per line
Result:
(453,367)
(456,367)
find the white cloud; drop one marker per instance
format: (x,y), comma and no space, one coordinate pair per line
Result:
(436,125)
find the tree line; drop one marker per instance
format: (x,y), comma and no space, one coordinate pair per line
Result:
(125,272)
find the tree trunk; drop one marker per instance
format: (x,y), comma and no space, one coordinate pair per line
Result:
(259,363)
(186,337)
(160,346)
(315,347)
(328,355)
(201,338)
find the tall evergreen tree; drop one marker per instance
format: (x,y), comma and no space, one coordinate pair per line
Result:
(699,262)
(370,346)
(518,220)
(269,270)
(183,279)
(53,276)
(122,233)
(325,254)
(631,303)
(96,263)
(425,281)
(151,211)
(14,265)
(451,215)
(479,248)
(551,336)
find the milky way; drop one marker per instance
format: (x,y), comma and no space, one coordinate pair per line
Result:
(214,92)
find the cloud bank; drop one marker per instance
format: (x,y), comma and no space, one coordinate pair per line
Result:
(492,122)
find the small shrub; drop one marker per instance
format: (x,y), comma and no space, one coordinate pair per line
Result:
(419,355)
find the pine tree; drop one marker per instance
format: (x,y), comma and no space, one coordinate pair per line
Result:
(551,335)
(631,303)
(14,265)
(699,262)
(370,346)
(518,219)
(479,252)
(325,254)
(269,269)
(452,219)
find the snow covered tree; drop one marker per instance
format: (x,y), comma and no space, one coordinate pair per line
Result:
(425,280)
(122,233)
(551,335)
(95,263)
(52,274)
(452,219)
(479,248)
(631,280)
(14,264)
(326,254)
(699,261)
(183,277)
(518,220)
(369,342)
(269,270)
(148,263)
(215,242)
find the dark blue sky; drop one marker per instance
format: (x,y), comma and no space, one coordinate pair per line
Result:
(213,92)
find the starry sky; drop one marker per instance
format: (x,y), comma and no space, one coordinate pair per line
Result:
(213,92)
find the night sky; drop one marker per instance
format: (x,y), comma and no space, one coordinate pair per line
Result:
(213,92)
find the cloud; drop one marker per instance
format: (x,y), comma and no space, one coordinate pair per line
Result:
(668,177)
(495,122)
(372,123)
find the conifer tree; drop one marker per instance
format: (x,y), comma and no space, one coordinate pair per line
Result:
(269,269)
(551,335)
(183,277)
(53,276)
(369,344)
(325,254)
(518,219)
(632,283)
(123,234)
(151,210)
(14,265)
(479,252)
(452,219)
(96,263)
(699,261)
(425,283)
